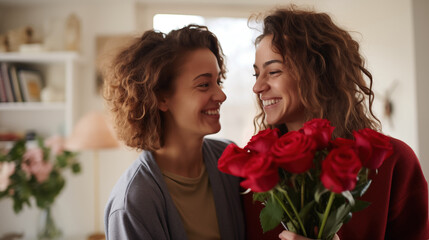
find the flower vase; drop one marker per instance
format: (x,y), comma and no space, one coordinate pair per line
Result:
(48,230)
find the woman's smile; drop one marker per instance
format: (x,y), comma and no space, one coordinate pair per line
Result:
(270,102)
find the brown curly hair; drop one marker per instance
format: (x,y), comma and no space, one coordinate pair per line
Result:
(142,71)
(327,64)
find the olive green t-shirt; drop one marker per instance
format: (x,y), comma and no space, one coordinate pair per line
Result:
(193,198)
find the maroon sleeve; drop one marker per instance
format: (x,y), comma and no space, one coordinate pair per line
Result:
(408,210)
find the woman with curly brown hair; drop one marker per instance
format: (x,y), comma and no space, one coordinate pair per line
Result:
(164,91)
(307,67)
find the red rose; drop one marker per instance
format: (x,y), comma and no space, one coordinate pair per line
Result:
(339,142)
(372,147)
(294,152)
(260,173)
(340,169)
(262,142)
(320,130)
(233,160)
(258,170)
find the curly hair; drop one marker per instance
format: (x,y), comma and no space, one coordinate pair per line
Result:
(142,71)
(326,62)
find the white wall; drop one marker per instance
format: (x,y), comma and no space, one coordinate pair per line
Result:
(421,49)
(385,31)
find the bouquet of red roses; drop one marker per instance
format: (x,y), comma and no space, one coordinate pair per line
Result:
(307,181)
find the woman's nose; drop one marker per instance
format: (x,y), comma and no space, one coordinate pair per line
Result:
(260,85)
(219,95)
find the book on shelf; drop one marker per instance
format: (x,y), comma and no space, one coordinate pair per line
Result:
(16,86)
(31,84)
(4,71)
(3,97)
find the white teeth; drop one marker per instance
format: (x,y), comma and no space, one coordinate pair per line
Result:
(212,112)
(270,102)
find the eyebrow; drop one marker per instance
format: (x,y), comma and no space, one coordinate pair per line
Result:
(268,63)
(209,75)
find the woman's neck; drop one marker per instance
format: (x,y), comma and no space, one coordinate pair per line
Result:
(181,157)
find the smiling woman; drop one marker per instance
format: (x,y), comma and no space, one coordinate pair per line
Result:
(164,91)
(193,108)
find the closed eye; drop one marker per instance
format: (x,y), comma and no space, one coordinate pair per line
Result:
(274,72)
(204,85)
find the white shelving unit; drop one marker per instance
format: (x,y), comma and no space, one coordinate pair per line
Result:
(58,68)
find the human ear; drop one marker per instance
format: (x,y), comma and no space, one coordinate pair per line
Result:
(162,102)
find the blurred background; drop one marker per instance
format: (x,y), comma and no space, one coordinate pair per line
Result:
(66,40)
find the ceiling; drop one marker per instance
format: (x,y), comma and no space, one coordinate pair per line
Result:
(200,2)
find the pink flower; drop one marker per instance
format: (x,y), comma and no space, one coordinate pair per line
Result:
(56,144)
(6,170)
(35,165)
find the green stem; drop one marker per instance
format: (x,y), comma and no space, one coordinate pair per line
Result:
(284,207)
(302,193)
(294,210)
(326,213)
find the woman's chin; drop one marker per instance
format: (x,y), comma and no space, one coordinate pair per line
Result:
(274,121)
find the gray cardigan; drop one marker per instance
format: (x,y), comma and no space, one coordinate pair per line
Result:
(140,206)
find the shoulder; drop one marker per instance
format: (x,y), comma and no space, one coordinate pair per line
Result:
(217,144)
(213,148)
(401,148)
(403,155)
(138,189)
(408,179)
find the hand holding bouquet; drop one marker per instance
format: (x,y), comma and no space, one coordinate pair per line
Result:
(307,181)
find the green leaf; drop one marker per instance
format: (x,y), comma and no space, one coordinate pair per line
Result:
(335,220)
(360,205)
(62,161)
(261,196)
(76,168)
(306,209)
(319,192)
(17,151)
(349,197)
(348,217)
(360,189)
(271,215)
(290,225)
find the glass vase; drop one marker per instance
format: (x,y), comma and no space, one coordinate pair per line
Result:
(48,230)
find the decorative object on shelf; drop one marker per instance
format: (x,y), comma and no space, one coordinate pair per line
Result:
(72,33)
(3,43)
(51,94)
(31,84)
(93,132)
(16,37)
(31,48)
(12,236)
(33,169)
(53,34)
